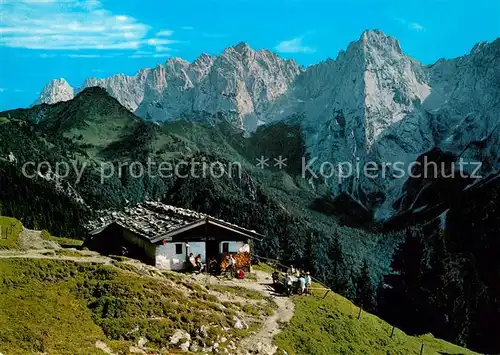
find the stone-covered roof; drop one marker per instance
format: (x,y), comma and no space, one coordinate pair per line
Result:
(151,220)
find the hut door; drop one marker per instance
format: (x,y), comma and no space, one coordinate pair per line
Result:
(212,249)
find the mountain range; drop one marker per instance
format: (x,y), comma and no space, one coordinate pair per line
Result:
(373,103)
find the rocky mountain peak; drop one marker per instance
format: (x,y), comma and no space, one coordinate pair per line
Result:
(375,42)
(177,62)
(201,66)
(377,38)
(204,58)
(242,47)
(478,47)
(55,91)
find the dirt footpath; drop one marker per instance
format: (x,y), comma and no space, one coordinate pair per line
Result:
(33,246)
(261,342)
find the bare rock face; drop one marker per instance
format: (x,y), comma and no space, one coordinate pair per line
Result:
(172,99)
(243,83)
(364,106)
(374,104)
(465,104)
(128,90)
(239,85)
(55,91)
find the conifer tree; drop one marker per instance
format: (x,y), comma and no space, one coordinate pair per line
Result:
(365,292)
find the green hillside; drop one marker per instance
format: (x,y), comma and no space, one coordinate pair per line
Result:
(331,326)
(63,307)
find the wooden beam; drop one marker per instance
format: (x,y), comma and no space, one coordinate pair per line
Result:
(179,230)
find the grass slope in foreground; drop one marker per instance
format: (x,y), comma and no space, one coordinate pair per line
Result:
(331,326)
(62,307)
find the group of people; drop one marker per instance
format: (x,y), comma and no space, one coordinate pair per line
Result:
(198,266)
(196,262)
(303,280)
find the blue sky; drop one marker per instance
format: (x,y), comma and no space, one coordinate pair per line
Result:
(45,39)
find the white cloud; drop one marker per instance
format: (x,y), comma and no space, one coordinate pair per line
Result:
(29,1)
(165,33)
(416,26)
(85,56)
(147,54)
(163,49)
(159,41)
(411,25)
(72,25)
(294,46)
(122,18)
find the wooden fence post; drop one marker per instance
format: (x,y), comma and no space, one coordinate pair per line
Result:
(326,294)
(392,332)
(422,349)
(359,314)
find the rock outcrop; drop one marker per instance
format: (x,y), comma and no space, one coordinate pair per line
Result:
(56,90)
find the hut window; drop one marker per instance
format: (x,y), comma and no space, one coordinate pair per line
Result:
(178,248)
(225,248)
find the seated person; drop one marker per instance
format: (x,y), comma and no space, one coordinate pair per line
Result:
(191,259)
(199,264)
(192,262)
(240,274)
(276,277)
